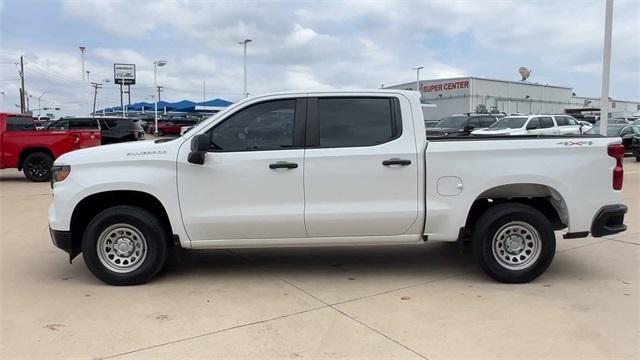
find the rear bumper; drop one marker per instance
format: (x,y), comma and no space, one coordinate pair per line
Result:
(609,220)
(64,241)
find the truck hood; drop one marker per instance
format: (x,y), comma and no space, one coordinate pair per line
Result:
(129,151)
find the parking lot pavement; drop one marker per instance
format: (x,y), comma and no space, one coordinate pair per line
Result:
(417,302)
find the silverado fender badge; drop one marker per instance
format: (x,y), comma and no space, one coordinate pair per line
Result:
(575,143)
(154,152)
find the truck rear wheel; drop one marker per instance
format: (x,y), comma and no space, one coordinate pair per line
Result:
(37,166)
(514,243)
(125,245)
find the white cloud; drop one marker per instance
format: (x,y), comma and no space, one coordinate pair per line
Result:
(334,44)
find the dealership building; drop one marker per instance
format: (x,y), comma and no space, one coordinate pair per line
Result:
(473,94)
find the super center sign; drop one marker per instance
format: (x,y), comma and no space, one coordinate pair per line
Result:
(453,85)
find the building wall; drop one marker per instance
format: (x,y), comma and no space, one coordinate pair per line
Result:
(618,108)
(469,94)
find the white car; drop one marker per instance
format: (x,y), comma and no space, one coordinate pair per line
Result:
(532,125)
(328,169)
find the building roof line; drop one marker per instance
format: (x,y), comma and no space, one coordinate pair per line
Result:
(481,78)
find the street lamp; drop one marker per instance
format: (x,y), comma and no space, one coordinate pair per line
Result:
(84,84)
(155,85)
(244,63)
(417,69)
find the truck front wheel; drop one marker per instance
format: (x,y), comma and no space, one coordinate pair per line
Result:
(37,166)
(125,245)
(514,243)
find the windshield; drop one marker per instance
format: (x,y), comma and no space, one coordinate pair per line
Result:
(509,123)
(611,130)
(452,122)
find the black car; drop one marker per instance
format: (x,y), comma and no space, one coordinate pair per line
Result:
(626,132)
(112,129)
(635,147)
(461,125)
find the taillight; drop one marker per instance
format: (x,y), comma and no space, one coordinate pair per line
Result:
(617,151)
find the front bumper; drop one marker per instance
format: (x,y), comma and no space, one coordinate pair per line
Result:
(609,220)
(63,240)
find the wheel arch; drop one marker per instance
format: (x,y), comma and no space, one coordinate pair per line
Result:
(541,197)
(28,151)
(93,204)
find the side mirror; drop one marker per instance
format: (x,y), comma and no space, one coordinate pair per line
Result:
(531,127)
(469,127)
(199,147)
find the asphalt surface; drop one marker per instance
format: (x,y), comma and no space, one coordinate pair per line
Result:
(416,302)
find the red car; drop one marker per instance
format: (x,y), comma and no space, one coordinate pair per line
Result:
(170,127)
(24,148)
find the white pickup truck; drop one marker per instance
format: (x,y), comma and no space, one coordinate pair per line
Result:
(332,168)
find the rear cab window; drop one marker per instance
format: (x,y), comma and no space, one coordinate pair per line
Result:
(20,123)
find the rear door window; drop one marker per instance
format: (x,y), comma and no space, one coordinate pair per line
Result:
(349,122)
(546,122)
(534,124)
(486,121)
(83,123)
(20,123)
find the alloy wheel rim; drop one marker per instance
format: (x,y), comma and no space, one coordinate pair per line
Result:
(37,168)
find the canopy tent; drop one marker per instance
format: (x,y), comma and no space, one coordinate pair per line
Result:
(178,106)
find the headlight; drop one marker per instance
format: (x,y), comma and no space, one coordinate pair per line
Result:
(59,173)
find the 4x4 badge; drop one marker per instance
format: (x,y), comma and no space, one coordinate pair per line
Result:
(575,143)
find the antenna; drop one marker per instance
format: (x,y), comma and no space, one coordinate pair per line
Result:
(525,73)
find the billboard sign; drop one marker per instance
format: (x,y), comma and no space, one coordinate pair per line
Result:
(124,74)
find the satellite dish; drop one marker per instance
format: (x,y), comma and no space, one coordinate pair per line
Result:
(524,72)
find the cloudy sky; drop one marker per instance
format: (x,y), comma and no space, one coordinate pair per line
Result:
(308,45)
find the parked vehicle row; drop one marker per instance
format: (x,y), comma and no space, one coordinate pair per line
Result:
(463,124)
(112,129)
(626,132)
(333,168)
(25,148)
(532,125)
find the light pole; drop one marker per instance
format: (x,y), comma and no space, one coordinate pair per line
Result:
(244,63)
(417,69)
(84,90)
(155,85)
(606,68)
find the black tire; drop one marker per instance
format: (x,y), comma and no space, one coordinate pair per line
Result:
(139,221)
(37,166)
(160,132)
(637,158)
(498,237)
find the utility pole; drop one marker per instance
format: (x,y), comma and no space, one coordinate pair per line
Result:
(606,68)
(244,63)
(96,86)
(22,92)
(84,90)
(159,91)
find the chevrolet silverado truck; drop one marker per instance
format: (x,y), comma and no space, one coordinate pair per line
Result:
(333,168)
(24,148)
